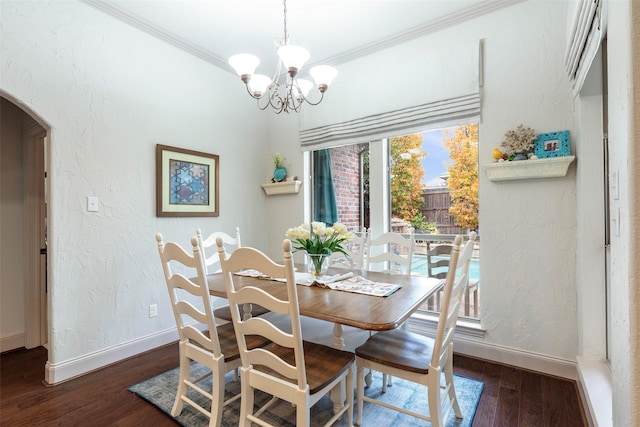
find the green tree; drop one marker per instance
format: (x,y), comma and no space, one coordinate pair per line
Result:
(406,176)
(463,175)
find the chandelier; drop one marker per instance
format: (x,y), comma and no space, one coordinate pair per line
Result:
(289,94)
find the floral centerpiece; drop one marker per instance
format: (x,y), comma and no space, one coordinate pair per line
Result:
(319,241)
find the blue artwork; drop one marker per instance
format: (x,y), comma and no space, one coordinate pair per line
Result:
(189,183)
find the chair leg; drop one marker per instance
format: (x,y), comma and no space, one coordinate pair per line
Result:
(448,377)
(435,404)
(303,415)
(360,387)
(217,393)
(185,367)
(246,400)
(475,303)
(467,302)
(349,385)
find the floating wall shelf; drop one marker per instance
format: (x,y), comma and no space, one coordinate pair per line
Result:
(529,169)
(285,187)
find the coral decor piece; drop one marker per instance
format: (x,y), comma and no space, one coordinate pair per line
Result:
(519,140)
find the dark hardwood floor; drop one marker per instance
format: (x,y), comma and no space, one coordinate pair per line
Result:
(511,397)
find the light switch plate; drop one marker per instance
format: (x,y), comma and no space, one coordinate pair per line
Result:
(92,204)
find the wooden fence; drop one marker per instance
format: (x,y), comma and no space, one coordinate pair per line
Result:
(436,209)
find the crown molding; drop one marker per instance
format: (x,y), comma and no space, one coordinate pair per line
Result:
(349,55)
(157,32)
(428,27)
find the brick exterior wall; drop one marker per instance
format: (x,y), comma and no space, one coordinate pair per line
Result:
(345,167)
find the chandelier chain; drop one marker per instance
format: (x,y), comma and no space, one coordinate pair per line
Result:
(286,34)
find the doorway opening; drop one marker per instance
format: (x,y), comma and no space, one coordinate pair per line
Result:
(24,254)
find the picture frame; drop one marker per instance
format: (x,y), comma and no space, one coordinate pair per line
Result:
(187,182)
(552,144)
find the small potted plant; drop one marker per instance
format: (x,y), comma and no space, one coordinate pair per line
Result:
(518,142)
(280,162)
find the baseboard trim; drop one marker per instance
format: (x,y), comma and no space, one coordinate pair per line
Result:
(471,346)
(596,390)
(12,342)
(56,373)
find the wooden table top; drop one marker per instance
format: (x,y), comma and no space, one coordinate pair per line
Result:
(361,311)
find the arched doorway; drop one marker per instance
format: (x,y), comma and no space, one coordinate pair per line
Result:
(23,222)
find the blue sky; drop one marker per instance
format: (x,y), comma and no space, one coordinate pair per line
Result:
(438,154)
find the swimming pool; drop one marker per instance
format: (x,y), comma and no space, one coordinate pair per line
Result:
(419,265)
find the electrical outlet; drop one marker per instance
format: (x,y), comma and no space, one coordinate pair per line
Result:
(153,310)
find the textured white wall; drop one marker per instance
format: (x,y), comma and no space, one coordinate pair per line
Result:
(111,93)
(624,138)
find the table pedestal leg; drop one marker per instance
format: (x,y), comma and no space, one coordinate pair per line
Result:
(246,311)
(368,378)
(338,340)
(338,394)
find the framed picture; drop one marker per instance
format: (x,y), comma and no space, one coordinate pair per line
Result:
(186,182)
(553,144)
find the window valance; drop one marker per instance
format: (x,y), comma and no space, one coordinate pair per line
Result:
(406,89)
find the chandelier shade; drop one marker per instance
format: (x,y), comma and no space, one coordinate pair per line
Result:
(293,57)
(244,64)
(284,92)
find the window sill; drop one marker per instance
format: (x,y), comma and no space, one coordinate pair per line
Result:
(529,169)
(428,322)
(595,378)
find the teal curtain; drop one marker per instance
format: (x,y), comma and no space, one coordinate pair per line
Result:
(324,197)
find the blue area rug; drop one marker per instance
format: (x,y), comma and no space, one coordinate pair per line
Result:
(161,390)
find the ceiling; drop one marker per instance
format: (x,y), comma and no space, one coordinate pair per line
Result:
(334,31)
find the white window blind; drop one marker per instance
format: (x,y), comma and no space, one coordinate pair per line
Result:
(456,111)
(586,31)
(406,89)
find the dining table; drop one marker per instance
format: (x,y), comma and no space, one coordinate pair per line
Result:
(342,308)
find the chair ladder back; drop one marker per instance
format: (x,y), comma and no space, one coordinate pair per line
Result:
(361,242)
(177,283)
(354,253)
(445,313)
(438,251)
(457,281)
(392,243)
(212,262)
(251,258)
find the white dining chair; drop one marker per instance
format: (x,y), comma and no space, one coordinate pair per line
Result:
(201,340)
(294,370)
(208,246)
(391,252)
(418,358)
(355,252)
(212,263)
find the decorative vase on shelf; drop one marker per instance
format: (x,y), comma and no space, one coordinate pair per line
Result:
(279,174)
(317,264)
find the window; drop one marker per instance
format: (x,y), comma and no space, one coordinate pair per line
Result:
(426,181)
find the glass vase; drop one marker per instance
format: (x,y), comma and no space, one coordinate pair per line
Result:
(317,264)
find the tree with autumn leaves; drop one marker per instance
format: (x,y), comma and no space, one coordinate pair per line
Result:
(407,173)
(462,144)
